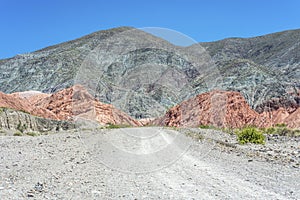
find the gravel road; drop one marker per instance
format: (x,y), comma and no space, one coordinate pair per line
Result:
(137,163)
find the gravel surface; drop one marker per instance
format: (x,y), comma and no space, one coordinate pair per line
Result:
(146,163)
(284,150)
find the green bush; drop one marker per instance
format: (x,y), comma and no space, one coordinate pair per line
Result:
(209,127)
(250,135)
(32,134)
(280,125)
(18,133)
(297,132)
(270,130)
(21,127)
(113,126)
(204,126)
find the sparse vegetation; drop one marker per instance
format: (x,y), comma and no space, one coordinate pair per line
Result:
(194,135)
(32,134)
(173,128)
(230,131)
(282,130)
(202,126)
(205,126)
(278,129)
(21,127)
(269,130)
(114,126)
(280,125)
(18,133)
(250,135)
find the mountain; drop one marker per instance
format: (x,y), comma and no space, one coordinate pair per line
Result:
(261,68)
(144,75)
(52,68)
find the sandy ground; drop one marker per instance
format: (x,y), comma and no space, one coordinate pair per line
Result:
(138,163)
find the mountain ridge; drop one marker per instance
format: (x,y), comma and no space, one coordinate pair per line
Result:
(262,68)
(255,36)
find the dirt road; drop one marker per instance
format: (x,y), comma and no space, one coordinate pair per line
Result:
(136,163)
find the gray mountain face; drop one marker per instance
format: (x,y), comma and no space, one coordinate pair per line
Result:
(52,68)
(261,68)
(144,75)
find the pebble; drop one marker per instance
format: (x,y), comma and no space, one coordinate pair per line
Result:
(30,194)
(39,187)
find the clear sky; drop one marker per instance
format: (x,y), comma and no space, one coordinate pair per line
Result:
(33,24)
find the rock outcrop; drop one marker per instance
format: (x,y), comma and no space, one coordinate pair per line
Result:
(22,103)
(76,102)
(14,102)
(68,104)
(285,116)
(224,109)
(11,119)
(216,108)
(293,120)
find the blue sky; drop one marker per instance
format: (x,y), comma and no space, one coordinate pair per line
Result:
(33,24)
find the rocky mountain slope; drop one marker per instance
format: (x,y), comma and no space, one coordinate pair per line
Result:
(144,75)
(133,70)
(261,68)
(49,69)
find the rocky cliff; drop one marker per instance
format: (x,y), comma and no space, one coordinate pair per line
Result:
(13,120)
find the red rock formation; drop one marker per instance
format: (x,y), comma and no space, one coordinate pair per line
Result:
(293,120)
(17,102)
(283,116)
(11,101)
(32,97)
(76,102)
(68,104)
(216,108)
